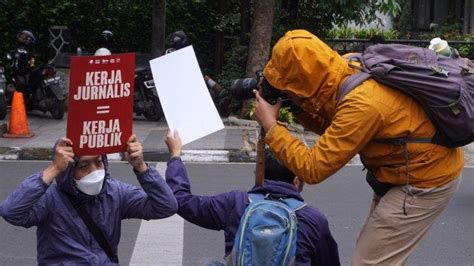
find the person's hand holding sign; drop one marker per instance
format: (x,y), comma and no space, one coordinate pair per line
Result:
(173,141)
(63,155)
(135,154)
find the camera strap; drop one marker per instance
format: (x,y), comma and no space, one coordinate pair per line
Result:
(260,160)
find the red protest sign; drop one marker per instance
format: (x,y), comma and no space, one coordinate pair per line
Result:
(100,110)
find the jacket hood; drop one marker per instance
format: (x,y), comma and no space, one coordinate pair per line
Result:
(278,188)
(304,65)
(65,180)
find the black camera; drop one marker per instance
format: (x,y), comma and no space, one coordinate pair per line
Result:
(242,89)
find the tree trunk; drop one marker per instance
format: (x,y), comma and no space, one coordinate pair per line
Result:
(158,26)
(244,21)
(467,16)
(260,36)
(219,59)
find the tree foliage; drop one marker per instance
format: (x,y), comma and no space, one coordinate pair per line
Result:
(85,20)
(131,23)
(319,16)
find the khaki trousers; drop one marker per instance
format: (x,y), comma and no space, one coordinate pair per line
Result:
(388,236)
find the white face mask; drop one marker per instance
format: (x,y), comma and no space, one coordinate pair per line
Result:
(92,183)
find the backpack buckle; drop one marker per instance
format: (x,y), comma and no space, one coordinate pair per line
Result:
(454,108)
(466,70)
(413,58)
(438,70)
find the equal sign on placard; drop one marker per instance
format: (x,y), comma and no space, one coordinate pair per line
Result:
(105,109)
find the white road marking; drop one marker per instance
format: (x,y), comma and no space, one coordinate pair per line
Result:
(159,242)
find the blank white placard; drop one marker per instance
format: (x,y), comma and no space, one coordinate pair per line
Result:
(186,102)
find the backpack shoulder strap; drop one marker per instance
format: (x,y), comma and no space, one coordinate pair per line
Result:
(350,83)
(255,197)
(94,229)
(294,204)
(402,141)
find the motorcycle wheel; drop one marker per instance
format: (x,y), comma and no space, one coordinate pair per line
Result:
(3,107)
(58,108)
(155,113)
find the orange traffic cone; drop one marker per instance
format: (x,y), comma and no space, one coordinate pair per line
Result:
(18,126)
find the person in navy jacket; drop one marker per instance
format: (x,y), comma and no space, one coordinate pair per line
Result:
(315,244)
(84,181)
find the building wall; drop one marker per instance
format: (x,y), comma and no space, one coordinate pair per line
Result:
(435,11)
(439,11)
(422,18)
(472,17)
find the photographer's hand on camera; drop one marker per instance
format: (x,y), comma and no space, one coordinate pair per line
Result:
(265,113)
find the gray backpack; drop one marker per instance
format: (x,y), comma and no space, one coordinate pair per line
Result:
(443,86)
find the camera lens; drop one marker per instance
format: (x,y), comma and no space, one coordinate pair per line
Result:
(242,89)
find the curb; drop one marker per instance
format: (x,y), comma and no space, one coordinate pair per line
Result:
(199,156)
(204,156)
(218,156)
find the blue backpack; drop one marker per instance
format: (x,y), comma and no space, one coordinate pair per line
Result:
(267,231)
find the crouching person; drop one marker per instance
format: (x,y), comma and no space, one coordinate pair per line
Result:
(79,217)
(230,211)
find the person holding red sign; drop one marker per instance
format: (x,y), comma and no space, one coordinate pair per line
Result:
(79,217)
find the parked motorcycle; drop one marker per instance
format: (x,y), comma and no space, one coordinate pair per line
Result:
(146,101)
(40,85)
(44,92)
(145,98)
(3,88)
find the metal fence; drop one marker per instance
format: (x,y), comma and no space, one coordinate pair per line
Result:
(343,46)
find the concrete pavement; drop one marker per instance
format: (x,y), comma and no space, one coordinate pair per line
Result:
(235,143)
(344,198)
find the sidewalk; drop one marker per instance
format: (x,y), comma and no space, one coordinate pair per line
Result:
(235,143)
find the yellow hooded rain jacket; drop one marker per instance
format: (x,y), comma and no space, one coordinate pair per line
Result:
(305,66)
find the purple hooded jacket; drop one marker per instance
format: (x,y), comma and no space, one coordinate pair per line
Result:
(62,236)
(315,244)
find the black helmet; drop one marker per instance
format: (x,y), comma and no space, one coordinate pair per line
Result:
(107,35)
(25,37)
(177,40)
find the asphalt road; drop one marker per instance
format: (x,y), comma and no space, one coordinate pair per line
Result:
(344,198)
